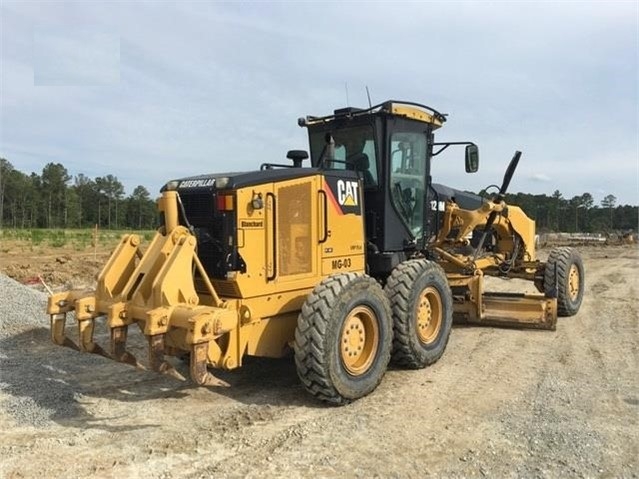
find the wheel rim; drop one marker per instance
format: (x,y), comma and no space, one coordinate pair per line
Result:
(573,282)
(429,315)
(359,340)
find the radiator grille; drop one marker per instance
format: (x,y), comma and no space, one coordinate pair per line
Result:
(198,207)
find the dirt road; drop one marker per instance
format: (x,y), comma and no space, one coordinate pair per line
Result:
(499,403)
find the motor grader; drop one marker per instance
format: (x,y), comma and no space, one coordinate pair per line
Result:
(352,261)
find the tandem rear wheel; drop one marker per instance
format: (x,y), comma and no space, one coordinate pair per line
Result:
(343,338)
(422,308)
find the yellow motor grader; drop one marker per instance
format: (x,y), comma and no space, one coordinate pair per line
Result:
(350,262)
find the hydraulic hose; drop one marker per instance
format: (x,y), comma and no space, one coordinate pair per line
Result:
(510,171)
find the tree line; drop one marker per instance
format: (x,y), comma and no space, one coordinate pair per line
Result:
(555,213)
(56,199)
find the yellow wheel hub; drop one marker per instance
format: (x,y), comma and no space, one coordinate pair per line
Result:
(359,340)
(429,315)
(573,282)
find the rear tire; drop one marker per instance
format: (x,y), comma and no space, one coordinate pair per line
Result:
(422,307)
(343,338)
(566,266)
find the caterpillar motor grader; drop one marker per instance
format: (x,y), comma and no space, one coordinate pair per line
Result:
(351,261)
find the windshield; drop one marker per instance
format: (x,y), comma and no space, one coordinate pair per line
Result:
(354,150)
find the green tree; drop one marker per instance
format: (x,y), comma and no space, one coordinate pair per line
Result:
(117,192)
(37,216)
(17,193)
(89,200)
(581,213)
(609,202)
(576,203)
(587,200)
(558,205)
(112,189)
(5,169)
(54,186)
(72,217)
(627,217)
(142,204)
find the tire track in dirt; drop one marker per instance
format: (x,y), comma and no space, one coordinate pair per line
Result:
(500,402)
(440,399)
(613,325)
(573,403)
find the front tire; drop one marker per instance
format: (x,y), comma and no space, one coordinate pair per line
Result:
(564,278)
(422,307)
(343,338)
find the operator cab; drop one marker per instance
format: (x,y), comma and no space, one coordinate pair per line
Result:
(390,146)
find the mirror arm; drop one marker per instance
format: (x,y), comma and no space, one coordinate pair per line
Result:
(440,150)
(449,143)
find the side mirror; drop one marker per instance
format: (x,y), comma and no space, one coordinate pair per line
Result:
(472,158)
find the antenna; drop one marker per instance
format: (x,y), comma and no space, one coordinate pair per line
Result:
(368,94)
(346,87)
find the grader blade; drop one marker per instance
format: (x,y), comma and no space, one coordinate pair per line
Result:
(473,305)
(515,310)
(520,310)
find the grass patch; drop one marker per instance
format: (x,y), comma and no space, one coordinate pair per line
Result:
(58,239)
(76,239)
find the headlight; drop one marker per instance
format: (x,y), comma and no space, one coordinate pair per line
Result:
(171,185)
(222,182)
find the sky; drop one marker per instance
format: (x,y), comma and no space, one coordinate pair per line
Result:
(152,91)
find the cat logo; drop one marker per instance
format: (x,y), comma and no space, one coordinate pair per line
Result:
(344,195)
(347,193)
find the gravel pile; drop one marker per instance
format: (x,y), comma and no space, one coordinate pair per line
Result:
(35,375)
(21,308)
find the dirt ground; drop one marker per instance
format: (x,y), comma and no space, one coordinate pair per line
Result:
(499,403)
(59,267)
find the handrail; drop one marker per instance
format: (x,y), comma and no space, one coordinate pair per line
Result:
(325,212)
(354,113)
(271,277)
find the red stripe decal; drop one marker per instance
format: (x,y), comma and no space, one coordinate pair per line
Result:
(331,197)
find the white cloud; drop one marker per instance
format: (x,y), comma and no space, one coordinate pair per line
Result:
(540,177)
(202,86)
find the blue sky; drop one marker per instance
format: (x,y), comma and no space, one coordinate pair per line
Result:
(151,91)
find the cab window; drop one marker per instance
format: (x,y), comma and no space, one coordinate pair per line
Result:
(354,150)
(408,177)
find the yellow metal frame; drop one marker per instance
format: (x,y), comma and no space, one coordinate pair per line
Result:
(166,291)
(466,273)
(472,304)
(415,113)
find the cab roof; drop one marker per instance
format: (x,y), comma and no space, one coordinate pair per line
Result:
(413,111)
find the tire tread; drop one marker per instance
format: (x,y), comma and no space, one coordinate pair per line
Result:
(398,289)
(311,355)
(560,260)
